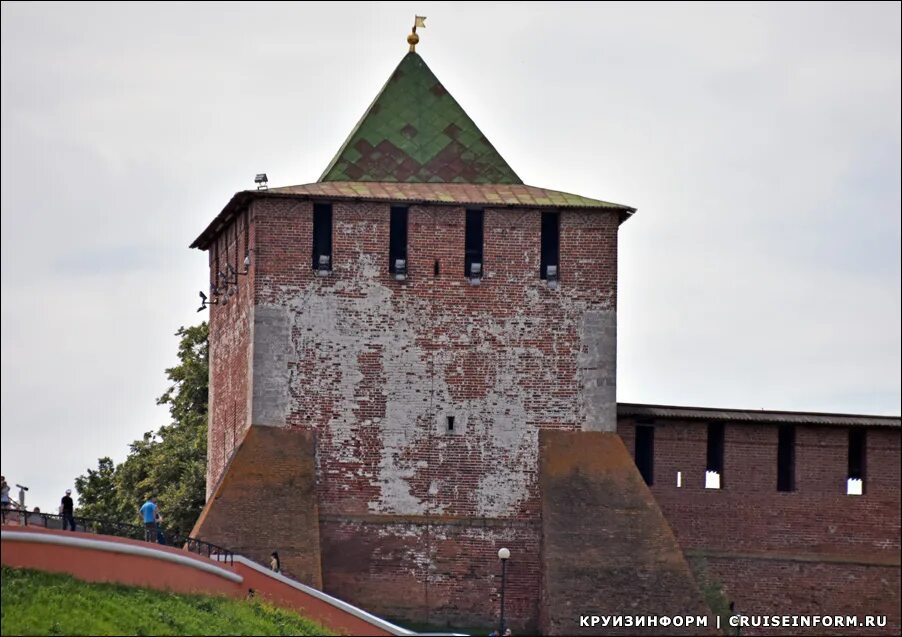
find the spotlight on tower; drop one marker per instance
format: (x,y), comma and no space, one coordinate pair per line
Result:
(324,265)
(232,275)
(551,276)
(400,269)
(475,273)
(224,278)
(262,181)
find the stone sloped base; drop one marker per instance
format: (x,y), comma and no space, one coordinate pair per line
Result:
(266,501)
(606,547)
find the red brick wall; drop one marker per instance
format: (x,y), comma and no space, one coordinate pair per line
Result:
(815,549)
(375,366)
(776,587)
(230,341)
(437,571)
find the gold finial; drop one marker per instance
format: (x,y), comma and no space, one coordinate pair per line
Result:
(413,38)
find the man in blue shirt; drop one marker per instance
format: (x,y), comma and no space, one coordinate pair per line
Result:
(149,512)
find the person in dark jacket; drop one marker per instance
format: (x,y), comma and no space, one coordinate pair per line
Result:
(67,510)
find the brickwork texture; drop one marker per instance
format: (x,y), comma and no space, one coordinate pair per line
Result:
(410,512)
(814,550)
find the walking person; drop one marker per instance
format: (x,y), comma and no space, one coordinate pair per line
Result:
(149,513)
(275,564)
(67,510)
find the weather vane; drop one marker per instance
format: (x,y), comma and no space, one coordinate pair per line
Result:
(413,38)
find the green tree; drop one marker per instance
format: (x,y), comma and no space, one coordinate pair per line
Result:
(170,462)
(98,496)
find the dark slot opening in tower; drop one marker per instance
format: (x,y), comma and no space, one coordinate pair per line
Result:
(214,270)
(645,452)
(786,458)
(473,245)
(322,236)
(247,239)
(450,420)
(714,465)
(857,461)
(397,241)
(551,239)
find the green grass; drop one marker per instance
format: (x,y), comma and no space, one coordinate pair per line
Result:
(37,603)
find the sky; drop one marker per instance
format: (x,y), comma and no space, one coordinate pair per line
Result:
(759,142)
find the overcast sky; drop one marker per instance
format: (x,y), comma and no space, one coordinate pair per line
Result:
(760,143)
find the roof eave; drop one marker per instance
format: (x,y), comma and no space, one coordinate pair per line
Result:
(625,214)
(754,416)
(242,198)
(238,200)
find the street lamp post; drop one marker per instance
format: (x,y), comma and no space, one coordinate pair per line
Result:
(504,556)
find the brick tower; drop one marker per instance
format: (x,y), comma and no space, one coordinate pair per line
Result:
(401,354)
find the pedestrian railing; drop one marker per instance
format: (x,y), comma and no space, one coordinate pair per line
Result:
(21,517)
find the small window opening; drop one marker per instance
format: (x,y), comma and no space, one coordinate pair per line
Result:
(397,243)
(857,460)
(786,458)
(473,265)
(247,241)
(679,479)
(714,466)
(551,237)
(645,452)
(322,238)
(214,271)
(712,480)
(450,421)
(436,268)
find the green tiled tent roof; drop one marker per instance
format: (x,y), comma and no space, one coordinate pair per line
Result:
(416,145)
(415,131)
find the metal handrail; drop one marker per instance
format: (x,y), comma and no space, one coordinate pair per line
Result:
(120,529)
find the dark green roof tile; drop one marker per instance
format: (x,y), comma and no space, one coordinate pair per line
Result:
(416,132)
